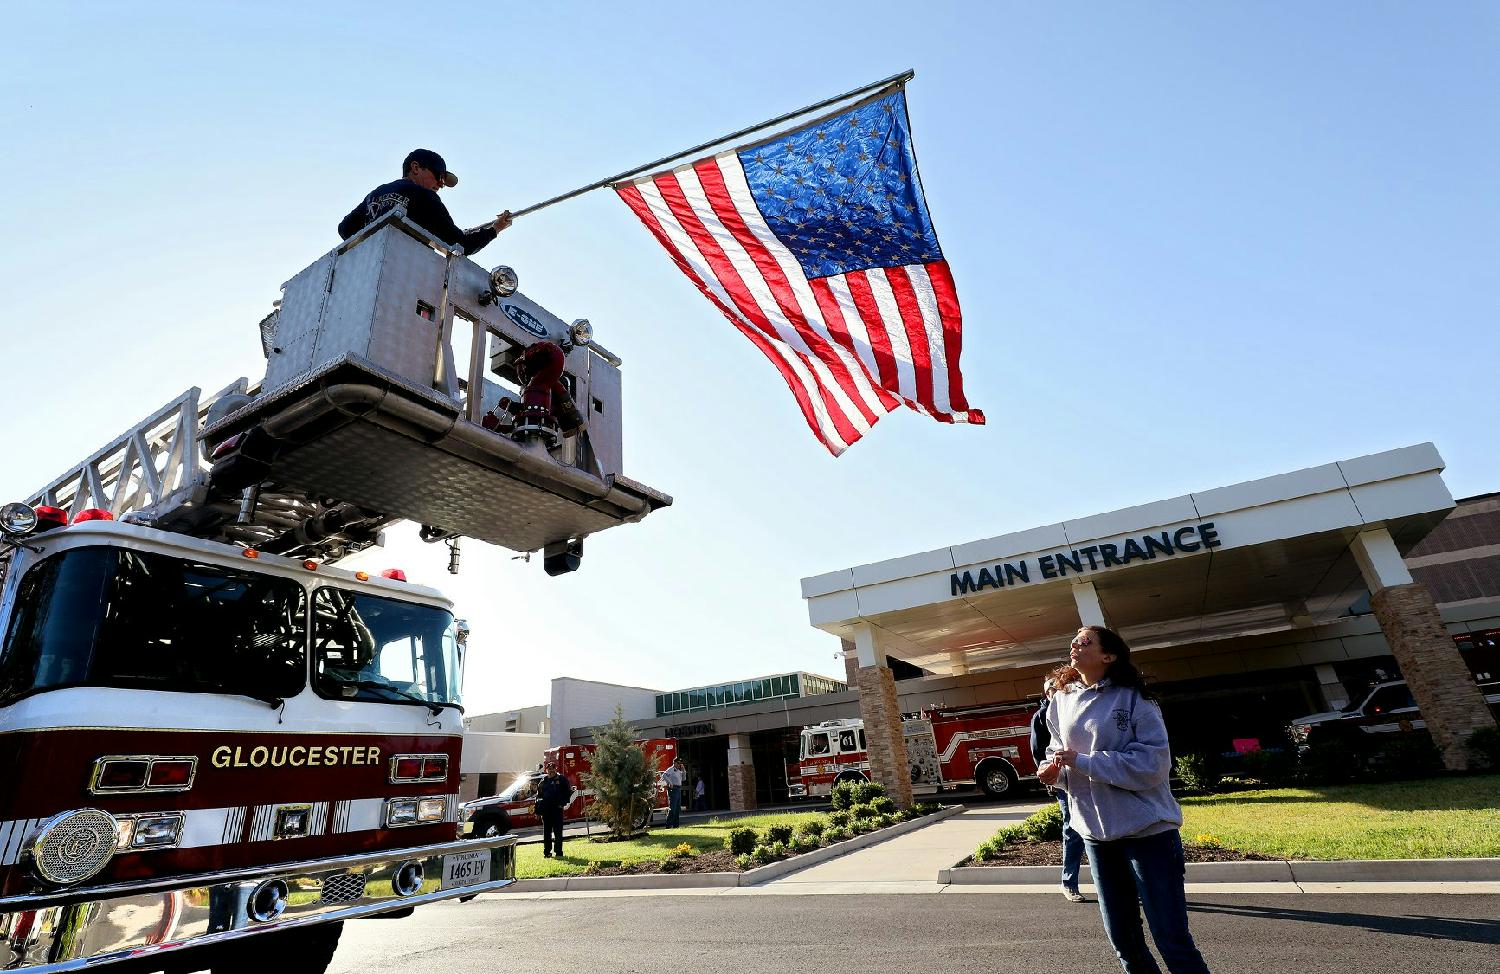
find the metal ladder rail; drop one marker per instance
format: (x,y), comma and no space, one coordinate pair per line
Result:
(145,468)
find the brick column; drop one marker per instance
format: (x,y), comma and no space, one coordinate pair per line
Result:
(1445,692)
(741,774)
(883,734)
(851,664)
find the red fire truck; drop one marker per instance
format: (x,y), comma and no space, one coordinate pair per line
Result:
(216,745)
(946,748)
(515,807)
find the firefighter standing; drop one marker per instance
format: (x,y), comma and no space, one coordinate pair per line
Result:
(423,173)
(553,795)
(673,778)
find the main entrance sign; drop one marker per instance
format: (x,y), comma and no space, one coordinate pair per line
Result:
(1080,561)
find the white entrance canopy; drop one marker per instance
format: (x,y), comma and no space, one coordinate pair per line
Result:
(1261,556)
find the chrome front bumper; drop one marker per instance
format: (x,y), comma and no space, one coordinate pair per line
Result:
(69,930)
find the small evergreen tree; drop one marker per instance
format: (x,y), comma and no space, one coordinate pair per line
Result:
(622,777)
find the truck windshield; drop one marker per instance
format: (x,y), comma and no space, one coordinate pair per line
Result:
(520,789)
(368,647)
(102,616)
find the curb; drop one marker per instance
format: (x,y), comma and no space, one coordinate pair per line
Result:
(1275,871)
(750,877)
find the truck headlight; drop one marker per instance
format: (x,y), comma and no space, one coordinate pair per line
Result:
(156,831)
(401,812)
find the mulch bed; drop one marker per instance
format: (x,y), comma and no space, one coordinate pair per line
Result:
(704,862)
(1050,854)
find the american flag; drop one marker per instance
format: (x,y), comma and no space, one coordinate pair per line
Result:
(818,247)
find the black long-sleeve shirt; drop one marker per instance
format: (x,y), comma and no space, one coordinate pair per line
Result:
(554,793)
(422,207)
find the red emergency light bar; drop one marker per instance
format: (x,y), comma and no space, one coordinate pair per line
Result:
(92,514)
(394,574)
(48,518)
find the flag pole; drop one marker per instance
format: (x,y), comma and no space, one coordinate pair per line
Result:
(895,79)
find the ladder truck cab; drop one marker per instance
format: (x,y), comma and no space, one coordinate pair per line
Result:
(987,745)
(515,807)
(218,743)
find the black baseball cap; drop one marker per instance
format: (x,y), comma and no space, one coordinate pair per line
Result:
(432,162)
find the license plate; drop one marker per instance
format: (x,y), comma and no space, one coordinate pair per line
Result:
(466,868)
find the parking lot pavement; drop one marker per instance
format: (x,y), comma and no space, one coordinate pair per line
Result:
(899,934)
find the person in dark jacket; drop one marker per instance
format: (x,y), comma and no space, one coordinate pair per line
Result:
(553,795)
(423,173)
(1055,682)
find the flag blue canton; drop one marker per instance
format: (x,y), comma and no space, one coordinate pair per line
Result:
(843,194)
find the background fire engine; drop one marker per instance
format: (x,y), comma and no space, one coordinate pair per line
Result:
(515,807)
(222,745)
(946,748)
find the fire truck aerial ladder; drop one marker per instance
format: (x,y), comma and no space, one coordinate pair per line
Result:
(219,744)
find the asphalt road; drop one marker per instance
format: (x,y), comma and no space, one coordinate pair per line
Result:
(909,934)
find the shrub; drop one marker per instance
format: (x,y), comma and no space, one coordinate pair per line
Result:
(1406,756)
(1272,767)
(863,812)
(989,849)
(1329,761)
(926,808)
(1011,834)
(681,851)
(868,791)
(1196,772)
(763,854)
(802,843)
(839,819)
(843,795)
(779,833)
(669,865)
(812,828)
(741,842)
(777,850)
(883,805)
(836,833)
(1044,826)
(743,862)
(883,821)
(1486,743)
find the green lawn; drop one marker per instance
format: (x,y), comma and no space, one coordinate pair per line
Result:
(1439,818)
(579,852)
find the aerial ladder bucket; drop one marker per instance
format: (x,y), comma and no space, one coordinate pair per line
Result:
(366,416)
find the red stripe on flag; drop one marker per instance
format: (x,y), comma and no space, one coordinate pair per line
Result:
(637,204)
(719,200)
(724,271)
(953,321)
(880,342)
(916,334)
(833,315)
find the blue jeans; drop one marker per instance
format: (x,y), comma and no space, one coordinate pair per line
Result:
(1146,873)
(1072,846)
(674,806)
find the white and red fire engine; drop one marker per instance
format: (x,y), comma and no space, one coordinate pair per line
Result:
(515,807)
(946,748)
(217,746)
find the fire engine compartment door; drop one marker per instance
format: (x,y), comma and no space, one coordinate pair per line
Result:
(921,753)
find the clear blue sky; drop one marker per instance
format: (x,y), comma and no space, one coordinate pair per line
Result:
(1195,244)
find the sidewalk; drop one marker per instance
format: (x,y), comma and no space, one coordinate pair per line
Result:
(916,856)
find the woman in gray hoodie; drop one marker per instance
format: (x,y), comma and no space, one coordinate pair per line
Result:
(1109,753)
